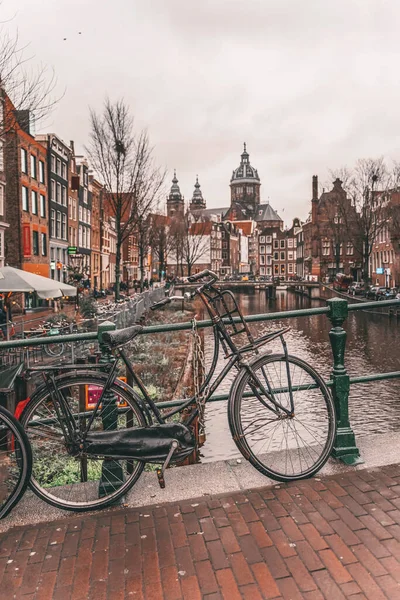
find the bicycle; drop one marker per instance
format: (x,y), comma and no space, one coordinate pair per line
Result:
(15,461)
(87,455)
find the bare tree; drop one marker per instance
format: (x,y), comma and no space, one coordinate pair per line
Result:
(369,186)
(124,162)
(195,240)
(161,241)
(28,88)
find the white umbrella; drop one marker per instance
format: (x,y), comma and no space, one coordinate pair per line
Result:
(16,280)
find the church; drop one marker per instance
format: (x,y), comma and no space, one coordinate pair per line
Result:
(245,199)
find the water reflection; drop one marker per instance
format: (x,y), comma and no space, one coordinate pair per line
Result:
(372,347)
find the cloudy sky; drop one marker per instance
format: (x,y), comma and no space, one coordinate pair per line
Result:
(310,85)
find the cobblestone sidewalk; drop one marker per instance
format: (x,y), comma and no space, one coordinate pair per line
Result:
(330,538)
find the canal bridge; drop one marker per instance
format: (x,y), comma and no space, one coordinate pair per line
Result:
(311,289)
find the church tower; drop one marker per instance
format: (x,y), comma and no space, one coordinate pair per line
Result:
(245,188)
(175,200)
(197,202)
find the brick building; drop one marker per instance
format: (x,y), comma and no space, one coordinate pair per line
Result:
(277,251)
(73,201)
(327,244)
(97,201)
(84,215)
(3,217)
(27,206)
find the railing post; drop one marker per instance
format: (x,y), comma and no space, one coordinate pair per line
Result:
(344,447)
(111,471)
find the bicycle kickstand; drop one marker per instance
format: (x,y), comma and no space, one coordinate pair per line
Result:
(160,472)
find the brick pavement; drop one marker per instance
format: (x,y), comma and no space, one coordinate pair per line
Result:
(328,538)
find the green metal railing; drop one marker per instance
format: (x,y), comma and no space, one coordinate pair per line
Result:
(337,310)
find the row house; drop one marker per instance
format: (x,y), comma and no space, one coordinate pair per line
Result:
(230,236)
(73,202)
(97,201)
(248,246)
(328,248)
(384,264)
(84,214)
(27,205)
(277,251)
(58,158)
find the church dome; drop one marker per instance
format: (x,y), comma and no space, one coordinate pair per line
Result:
(175,192)
(197,198)
(245,172)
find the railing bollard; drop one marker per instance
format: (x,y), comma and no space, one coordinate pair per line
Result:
(111,471)
(344,447)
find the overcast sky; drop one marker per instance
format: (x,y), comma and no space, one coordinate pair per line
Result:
(309,85)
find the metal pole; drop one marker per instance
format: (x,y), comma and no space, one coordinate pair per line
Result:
(344,447)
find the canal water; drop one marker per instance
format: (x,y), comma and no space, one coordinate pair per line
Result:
(373,346)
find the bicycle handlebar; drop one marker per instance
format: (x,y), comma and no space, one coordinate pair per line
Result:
(206,273)
(161,303)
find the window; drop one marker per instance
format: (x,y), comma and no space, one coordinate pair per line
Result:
(1,156)
(58,167)
(325,248)
(276,255)
(262,270)
(35,243)
(262,259)
(290,268)
(64,195)
(290,243)
(52,222)
(262,249)
(282,256)
(80,213)
(268,239)
(53,164)
(42,205)
(1,199)
(74,210)
(41,171)
(276,243)
(262,239)
(268,249)
(58,193)
(25,199)
(282,269)
(80,235)
(349,249)
(290,255)
(34,203)
(64,226)
(58,224)
(282,243)
(249,189)
(43,239)
(33,167)
(24,160)
(269,260)
(64,170)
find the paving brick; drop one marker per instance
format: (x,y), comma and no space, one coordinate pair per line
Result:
(389,586)
(257,530)
(229,540)
(205,574)
(250,592)
(241,569)
(217,555)
(275,562)
(337,571)
(314,538)
(289,589)
(343,552)
(327,585)
(281,542)
(366,582)
(308,556)
(198,548)
(300,573)
(265,580)
(229,588)
(190,588)
(170,583)
(368,560)
(373,544)
(250,550)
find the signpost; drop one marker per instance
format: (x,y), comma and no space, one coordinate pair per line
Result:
(72,250)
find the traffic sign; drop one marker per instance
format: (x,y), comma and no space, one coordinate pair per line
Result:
(72,250)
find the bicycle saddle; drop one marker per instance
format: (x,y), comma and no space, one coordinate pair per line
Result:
(121,337)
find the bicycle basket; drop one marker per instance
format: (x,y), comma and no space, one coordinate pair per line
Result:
(226,306)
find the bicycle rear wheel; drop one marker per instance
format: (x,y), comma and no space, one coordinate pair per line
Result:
(15,462)
(284,448)
(83,482)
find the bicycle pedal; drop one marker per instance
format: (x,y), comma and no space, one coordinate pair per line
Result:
(160,477)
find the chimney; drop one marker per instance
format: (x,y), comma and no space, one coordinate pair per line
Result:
(315,187)
(314,201)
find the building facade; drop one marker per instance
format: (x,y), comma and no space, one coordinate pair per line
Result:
(58,159)
(27,205)
(84,216)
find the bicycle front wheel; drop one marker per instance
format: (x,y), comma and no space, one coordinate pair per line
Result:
(15,462)
(83,482)
(283,446)
(54,349)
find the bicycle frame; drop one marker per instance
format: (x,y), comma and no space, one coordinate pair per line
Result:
(235,360)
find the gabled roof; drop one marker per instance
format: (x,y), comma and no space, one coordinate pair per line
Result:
(247,227)
(201,228)
(265,212)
